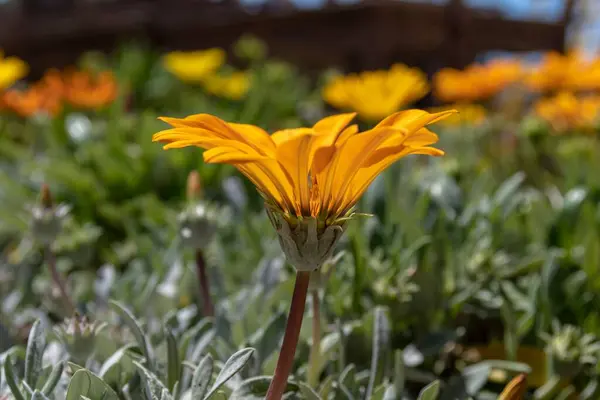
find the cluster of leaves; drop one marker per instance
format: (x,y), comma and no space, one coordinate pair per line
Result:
(474,268)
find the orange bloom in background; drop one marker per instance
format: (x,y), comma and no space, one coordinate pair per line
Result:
(567,112)
(84,90)
(318,172)
(476,82)
(32,101)
(468,114)
(376,94)
(572,71)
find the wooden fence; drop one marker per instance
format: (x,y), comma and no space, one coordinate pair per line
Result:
(367,34)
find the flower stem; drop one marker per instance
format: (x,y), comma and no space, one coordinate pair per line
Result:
(290,339)
(315,350)
(59,281)
(207,305)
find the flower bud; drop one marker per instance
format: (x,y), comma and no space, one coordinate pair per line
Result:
(47,220)
(198,224)
(78,335)
(250,48)
(194,186)
(305,244)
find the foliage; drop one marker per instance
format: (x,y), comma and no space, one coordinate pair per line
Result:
(448,291)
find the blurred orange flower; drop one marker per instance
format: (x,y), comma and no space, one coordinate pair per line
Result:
(376,94)
(572,71)
(32,101)
(84,90)
(476,82)
(567,112)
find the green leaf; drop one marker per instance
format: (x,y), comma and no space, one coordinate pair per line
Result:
(326,387)
(154,387)
(399,376)
(202,376)
(85,383)
(53,379)
(430,392)
(136,329)
(173,363)
(256,388)
(475,377)
(235,363)
(508,188)
(308,392)
(381,344)
(33,356)
(118,365)
(37,395)
(266,339)
(11,380)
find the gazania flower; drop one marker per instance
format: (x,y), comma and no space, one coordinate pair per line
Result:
(11,70)
(194,66)
(567,112)
(476,82)
(468,114)
(308,176)
(32,101)
(234,86)
(376,94)
(311,178)
(83,90)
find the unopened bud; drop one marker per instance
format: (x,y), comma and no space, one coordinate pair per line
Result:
(47,220)
(250,48)
(194,186)
(305,244)
(78,336)
(45,197)
(197,224)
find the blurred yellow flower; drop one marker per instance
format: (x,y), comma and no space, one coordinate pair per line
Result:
(375,94)
(84,90)
(476,82)
(567,112)
(468,114)
(11,70)
(572,71)
(233,86)
(194,66)
(317,172)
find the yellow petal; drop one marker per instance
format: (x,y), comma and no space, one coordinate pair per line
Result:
(255,135)
(230,155)
(365,176)
(293,156)
(333,124)
(413,119)
(348,160)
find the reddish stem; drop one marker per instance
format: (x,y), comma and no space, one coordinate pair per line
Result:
(59,282)
(207,305)
(290,339)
